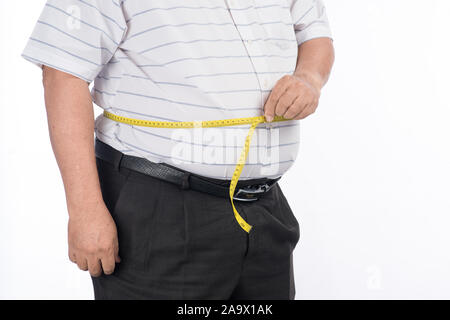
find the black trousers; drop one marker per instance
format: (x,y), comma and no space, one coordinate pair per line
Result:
(183,244)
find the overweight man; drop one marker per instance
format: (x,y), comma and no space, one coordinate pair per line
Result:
(162,211)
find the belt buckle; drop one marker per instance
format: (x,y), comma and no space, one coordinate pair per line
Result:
(250,193)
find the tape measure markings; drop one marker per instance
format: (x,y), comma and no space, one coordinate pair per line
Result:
(252,121)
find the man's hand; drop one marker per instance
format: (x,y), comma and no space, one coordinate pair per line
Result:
(293,97)
(297,96)
(93,243)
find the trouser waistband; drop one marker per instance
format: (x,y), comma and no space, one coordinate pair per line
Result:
(246,190)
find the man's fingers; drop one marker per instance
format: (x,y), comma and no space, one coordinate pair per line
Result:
(116,250)
(305,112)
(285,101)
(117,257)
(278,90)
(294,109)
(72,257)
(108,264)
(82,263)
(95,268)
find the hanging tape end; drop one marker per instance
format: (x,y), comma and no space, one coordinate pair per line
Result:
(247,227)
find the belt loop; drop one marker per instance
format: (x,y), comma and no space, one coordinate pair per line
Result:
(185,181)
(107,153)
(117,161)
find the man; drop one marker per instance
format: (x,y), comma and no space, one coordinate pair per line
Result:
(148,210)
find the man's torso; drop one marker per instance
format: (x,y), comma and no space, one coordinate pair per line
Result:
(200,60)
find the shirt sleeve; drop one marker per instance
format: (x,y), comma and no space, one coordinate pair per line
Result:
(78,37)
(310,20)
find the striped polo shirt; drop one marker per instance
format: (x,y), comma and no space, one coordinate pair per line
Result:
(191,60)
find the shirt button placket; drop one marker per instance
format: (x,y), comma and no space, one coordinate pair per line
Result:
(249,29)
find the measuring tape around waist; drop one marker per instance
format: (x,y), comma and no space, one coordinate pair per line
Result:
(252,121)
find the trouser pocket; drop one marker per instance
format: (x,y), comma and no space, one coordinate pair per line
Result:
(111,181)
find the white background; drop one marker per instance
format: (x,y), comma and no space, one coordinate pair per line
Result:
(371,188)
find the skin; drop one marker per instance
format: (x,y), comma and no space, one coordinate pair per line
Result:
(297,96)
(92,233)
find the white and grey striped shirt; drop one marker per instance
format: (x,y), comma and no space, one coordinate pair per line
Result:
(182,61)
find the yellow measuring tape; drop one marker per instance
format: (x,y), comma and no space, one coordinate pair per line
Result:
(252,121)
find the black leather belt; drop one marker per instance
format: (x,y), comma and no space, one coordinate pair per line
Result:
(246,190)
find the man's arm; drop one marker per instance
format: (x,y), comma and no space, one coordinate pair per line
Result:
(297,96)
(92,233)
